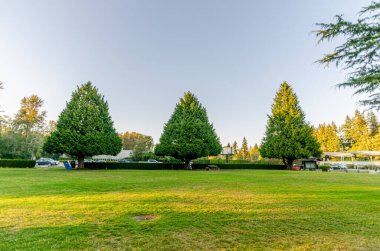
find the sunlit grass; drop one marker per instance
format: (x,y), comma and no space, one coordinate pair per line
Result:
(237,209)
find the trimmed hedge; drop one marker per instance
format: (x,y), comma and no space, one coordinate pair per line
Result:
(20,163)
(242,166)
(170,166)
(133,165)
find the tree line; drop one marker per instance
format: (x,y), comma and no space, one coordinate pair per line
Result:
(359,132)
(85,128)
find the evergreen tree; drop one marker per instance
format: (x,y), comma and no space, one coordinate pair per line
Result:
(373,124)
(360,133)
(327,136)
(359,53)
(255,152)
(244,153)
(288,136)
(346,130)
(188,134)
(84,127)
(236,150)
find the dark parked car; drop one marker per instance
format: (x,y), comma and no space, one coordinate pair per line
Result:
(338,167)
(47,162)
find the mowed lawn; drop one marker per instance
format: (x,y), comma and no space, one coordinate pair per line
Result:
(50,209)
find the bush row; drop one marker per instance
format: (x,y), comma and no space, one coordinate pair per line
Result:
(20,163)
(242,166)
(133,165)
(175,166)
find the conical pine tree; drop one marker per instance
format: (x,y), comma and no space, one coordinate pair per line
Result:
(188,134)
(84,127)
(288,136)
(244,152)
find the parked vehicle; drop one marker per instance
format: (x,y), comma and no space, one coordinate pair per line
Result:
(47,162)
(338,167)
(125,161)
(153,161)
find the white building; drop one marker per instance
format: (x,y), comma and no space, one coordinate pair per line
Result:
(122,155)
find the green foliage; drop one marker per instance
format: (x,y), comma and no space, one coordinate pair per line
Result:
(12,146)
(84,127)
(188,134)
(175,166)
(131,139)
(356,132)
(255,152)
(327,137)
(373,124)
(238,161)
(288,136)
(134,165)
(18,163)
(139,151)
(236,150)
(244,153)
(324,168)
(242,166)
(29,118)
(359,53)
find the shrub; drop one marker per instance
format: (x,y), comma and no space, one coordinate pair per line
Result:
(175,166)
(21,163)
(242,166)
(324,168)
(133,165)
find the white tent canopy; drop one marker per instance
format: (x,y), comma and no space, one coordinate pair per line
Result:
(366,153)
(337,154)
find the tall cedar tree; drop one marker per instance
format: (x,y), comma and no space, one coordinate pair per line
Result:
(84,127)
(373,124)
(188,134)
(359,54)
(288,136)
(244,153)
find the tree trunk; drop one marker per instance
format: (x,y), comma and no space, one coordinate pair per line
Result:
(187,164)
(80,161)
(288,163)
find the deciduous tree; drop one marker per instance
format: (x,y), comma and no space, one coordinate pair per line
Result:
(131,139)
(30,117)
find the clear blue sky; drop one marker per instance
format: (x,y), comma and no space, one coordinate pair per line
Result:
(143,55)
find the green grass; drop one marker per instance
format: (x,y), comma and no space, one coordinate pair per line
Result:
(235,209)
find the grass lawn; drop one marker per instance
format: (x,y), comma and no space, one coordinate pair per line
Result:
(236,209)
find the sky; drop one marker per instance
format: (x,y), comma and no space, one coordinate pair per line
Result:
(143,55)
